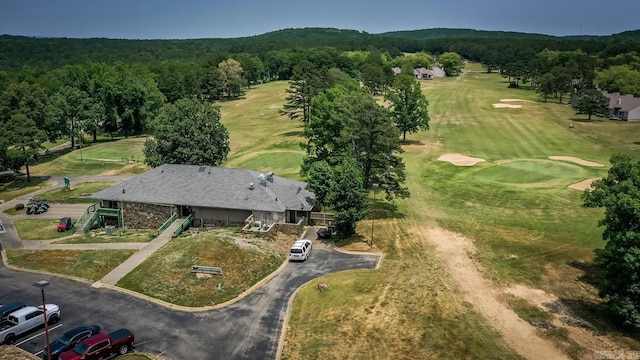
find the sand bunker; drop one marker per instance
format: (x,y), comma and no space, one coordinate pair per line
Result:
(576,160)
(510,106)
(460,160)
(583,185)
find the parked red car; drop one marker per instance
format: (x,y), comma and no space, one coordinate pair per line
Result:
(65,224)
(101,346)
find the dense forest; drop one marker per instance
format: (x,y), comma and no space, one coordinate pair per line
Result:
(471,44)
(57,88)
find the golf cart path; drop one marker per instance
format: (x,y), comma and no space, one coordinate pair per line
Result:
(455,250)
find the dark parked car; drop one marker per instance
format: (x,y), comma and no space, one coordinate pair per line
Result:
(5,310)
(327,232)
(69,340)
(65,224)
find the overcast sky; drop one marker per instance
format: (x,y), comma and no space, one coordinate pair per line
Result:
(189,19)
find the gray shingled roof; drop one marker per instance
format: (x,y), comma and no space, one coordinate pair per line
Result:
(207,186)
(625,103)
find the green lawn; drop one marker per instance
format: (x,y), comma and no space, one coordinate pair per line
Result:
(92,265)
(167,275)
(120,236)
(77,194)
(108,157)
(11,188)
(39,229)
(261,139)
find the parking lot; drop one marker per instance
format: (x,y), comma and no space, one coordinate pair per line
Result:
(247,329)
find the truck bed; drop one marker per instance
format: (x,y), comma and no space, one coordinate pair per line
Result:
(120,335)
(6,325)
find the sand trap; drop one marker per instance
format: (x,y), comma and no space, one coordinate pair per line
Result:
(460,160)
(576,160)
(583,185)
(510,106)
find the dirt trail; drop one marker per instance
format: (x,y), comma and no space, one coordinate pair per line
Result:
(458,253)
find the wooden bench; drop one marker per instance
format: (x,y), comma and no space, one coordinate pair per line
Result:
(206,269)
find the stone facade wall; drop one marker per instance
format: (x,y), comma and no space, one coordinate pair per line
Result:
(290,229)
(145,216)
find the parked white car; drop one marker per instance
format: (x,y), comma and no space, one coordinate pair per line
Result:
(25,319)
(300,250)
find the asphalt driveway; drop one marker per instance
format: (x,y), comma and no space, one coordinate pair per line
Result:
(247,329)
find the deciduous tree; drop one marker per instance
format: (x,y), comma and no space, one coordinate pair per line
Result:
(349,123)
(348,197)
(321,181)
(409,106)
(451,62)
(619,195)
(592,101)
(25,137)
(187,132)
(231,72)
(620,78)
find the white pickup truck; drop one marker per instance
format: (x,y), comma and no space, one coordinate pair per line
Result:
(25,319)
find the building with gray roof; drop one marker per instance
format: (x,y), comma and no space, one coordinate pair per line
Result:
(623,107)
(216,196)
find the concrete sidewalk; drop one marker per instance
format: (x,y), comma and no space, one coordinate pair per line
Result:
(140,256)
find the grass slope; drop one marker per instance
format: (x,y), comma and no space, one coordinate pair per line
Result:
(261,139)
(94,159)
(529,228)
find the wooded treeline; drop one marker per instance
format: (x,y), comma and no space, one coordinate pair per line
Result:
(471,44)
(53,89)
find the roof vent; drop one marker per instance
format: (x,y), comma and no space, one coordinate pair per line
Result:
(251,186)
(201,169)
(262,179)
(270,176)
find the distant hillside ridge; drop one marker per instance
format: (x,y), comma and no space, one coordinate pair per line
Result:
(446,33)
(50,53)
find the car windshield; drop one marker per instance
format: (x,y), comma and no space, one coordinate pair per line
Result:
(296,251)
(64,339)
(80,349)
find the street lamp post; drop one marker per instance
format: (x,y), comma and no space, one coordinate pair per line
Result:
(373,211)
(43,284)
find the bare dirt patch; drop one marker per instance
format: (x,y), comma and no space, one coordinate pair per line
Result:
(576,160)
(460,160)
(459,252)
(583,185)
(580,332)
(280,244)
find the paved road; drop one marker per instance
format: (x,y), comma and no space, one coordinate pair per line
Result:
(247,329)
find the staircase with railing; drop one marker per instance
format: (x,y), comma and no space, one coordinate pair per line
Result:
(86,217)
(93,215)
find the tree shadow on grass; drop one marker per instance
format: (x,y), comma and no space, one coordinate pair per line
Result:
(594,315)
(355,239)
(385,210)
(292,133)
(592,274)
(17,181)
(412,142)
(586,120)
